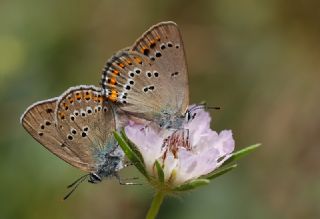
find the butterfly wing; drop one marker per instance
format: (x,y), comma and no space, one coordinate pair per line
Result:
(151,78)
(163,44)
(39,122)
(86,123)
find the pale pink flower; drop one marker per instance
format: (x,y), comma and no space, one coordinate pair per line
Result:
(185,154)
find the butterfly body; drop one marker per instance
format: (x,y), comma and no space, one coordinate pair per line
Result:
(169,119)
(109,168)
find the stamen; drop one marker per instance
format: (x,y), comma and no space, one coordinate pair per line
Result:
(178,139)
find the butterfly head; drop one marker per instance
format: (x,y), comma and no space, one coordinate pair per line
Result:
(112,164)
(94,178)
(170,120)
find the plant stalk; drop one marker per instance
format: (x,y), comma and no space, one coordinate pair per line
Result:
(155,205)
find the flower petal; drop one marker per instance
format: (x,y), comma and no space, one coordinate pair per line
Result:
(214,151)
(147,141)
(170,164)
(199,125)
(182,161)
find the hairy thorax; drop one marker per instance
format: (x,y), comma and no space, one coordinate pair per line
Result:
(170,120)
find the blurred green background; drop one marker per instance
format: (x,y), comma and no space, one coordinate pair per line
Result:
(258,60)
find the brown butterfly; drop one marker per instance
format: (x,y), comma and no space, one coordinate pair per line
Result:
(78,127)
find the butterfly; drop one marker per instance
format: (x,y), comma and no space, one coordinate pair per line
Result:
(78,128)
(149,80)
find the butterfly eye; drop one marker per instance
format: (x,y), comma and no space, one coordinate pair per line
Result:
(188,116)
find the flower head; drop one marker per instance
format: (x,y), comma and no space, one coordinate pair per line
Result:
(185,154)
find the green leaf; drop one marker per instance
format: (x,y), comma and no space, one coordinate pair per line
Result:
(220,171)
(131,145)
(132,156)
(160,171)
(241,153)
(192,184)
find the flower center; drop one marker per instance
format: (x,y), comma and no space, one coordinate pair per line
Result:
(179,139)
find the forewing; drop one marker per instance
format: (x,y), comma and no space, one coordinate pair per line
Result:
(163,45)
(39,122)
(152,77)
(86,123)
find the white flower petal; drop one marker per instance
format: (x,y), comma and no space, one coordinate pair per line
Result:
(147,141)
(198,125)
(193,164)
(170,163)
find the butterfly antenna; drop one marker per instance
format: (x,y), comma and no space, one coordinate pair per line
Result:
(213,107)
(75,184)
(196,107)
(71,185)
(204,106)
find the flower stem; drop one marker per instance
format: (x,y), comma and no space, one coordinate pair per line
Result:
(155,205)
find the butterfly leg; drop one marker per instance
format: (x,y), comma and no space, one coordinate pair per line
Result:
(187,139)
(128,164)
(121,181)
(132,178)
(144,128)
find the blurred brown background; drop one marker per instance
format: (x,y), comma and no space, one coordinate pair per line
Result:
(258,60)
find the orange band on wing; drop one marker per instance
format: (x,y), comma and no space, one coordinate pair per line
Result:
(143,49)
(113,81)
(71,100)
(113,96)
(62,116)
(78,96)
(88,96)
(138,60)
